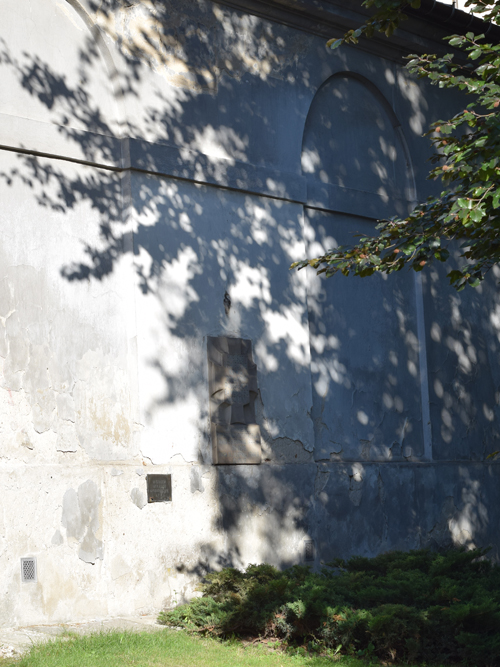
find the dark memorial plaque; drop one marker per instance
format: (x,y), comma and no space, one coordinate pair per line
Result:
(159,488)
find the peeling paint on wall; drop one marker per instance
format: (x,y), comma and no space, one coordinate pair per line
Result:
(139,497)
(251,145)
(196,481)
(168,39)
(80,518)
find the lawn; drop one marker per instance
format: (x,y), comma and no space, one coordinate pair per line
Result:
(165,648)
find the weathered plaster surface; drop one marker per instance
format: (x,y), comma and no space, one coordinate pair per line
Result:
(171,163)
(80,518)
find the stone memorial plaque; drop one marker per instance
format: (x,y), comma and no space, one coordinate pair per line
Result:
(232,378)
(159,488)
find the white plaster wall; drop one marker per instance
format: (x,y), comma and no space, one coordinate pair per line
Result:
(87,364)
(111,279)
(55,74)
(67,361)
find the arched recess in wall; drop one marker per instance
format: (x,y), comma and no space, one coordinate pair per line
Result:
(56,70)
(354,154)
(367,401)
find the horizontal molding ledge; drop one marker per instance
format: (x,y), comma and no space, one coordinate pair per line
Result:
(193,166)
(45,140)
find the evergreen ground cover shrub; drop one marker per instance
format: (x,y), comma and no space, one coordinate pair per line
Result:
(415,606)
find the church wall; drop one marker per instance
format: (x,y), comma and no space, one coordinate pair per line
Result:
(159,172)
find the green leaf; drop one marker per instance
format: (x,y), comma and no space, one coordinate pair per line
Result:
(444,254)
(334,43)
(477,215)
(454,275)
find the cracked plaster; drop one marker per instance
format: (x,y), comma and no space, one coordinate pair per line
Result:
(107,372)
(80,518)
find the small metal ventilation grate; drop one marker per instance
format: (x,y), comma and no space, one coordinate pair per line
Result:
(309,550)
(28,569)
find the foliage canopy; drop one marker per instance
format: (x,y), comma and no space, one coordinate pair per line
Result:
(466,158)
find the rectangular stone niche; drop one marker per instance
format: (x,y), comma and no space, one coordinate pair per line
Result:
(232,382)
(159,488)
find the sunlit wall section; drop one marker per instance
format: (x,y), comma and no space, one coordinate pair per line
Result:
(61,94)
(67,368)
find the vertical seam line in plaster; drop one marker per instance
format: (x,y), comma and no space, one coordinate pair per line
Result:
(308,312)
(422,361)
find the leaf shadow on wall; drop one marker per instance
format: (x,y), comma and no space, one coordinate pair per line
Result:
(189,244)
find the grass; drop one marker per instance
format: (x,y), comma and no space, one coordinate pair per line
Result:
(165,648)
